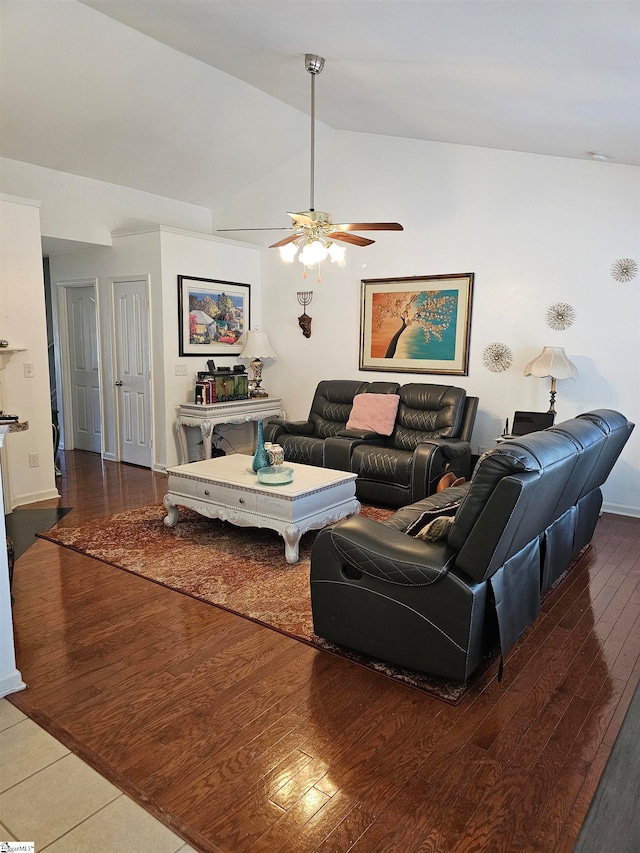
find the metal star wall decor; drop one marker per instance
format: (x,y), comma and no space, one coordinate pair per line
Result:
(497,357)
(624,269)
(560,315)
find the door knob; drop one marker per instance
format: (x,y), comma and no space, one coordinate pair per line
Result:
(119,382)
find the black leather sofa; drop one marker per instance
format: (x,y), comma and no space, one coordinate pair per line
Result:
(432,430)
(439,606)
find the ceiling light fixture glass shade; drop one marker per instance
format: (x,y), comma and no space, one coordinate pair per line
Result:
(553,362)
(312,251)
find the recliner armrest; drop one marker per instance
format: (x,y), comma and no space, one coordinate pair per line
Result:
(273,429)
(387,554)
(298,427)
(451,448)
(430,459)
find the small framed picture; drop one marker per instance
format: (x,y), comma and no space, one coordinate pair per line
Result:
(213,316)
(420,324)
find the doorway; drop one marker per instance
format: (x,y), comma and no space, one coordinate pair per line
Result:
(102,354)
(77,364)
(132,370)
(84,372)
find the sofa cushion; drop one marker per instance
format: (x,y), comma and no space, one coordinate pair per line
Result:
(427,411)
(375,412)
(331,405)
(382,464)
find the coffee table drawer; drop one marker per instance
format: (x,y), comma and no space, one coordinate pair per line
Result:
(213,492)
(226,496)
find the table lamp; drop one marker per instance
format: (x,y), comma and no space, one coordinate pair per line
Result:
(553,362)
(256,347)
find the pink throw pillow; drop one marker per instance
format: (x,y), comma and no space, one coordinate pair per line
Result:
(375,412)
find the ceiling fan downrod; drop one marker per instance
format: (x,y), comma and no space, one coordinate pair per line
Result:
(314,65)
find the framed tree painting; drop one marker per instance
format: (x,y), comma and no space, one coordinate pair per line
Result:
(213,316)
(420,324)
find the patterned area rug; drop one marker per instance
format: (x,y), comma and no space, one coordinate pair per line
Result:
(237,568)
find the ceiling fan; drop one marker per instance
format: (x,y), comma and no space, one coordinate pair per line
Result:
(314,232)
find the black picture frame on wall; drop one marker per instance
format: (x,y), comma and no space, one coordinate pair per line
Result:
(418,324)
(213,316)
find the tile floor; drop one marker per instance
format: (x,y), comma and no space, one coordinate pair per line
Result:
(49,796)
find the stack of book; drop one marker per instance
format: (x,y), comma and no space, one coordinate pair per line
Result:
(221,387)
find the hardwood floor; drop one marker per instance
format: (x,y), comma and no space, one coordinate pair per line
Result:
(242,739)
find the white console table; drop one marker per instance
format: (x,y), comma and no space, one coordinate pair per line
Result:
(207,417)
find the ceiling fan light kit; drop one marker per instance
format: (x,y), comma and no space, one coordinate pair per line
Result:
(314,233)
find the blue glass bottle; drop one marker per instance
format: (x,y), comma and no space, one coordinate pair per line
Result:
(260,458)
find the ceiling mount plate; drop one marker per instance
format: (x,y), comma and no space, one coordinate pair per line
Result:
(313,63)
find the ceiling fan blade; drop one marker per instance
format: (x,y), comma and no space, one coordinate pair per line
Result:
(354,239)
(369,226)
(284,241)
(279,228)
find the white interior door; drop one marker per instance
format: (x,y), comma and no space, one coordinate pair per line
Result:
(132,373)
(84,374)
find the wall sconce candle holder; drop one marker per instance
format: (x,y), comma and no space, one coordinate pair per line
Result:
(304,320)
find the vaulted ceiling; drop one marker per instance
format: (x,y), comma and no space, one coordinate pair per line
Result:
(196,99)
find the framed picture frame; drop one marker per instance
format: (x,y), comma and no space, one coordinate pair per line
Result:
(419,324)
(213,316)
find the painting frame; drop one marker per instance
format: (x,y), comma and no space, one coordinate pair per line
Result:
(437,311)
(215,335)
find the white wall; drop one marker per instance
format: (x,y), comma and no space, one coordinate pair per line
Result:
(535,230)
(81,209)
(10,676)
(204,257)
(133,256)
(162,254)
(23,324)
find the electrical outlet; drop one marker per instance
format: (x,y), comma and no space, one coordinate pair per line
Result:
(34,460)
(28,370)
(181,370)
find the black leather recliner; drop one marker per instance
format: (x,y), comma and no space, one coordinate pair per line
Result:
(437,607)
(432,431)
(303,441)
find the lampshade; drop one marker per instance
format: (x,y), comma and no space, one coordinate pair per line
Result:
(257,345)
(552,361)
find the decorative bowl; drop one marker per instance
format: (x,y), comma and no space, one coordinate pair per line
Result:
(275,475)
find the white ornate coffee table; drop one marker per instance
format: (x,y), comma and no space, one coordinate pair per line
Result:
(224,488)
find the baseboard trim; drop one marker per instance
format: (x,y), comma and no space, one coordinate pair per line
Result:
(35,497)
(621,509)
(11,683)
